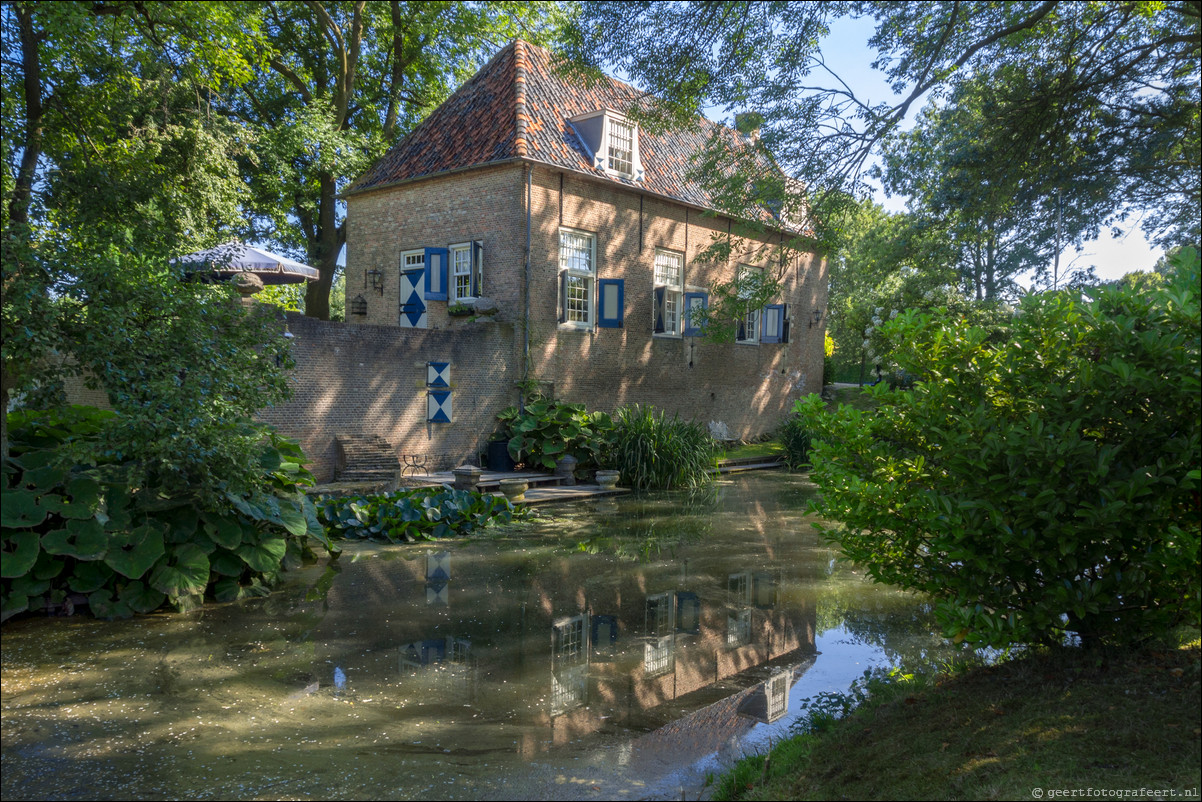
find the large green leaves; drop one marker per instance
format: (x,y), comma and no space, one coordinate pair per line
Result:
(132,553)
(182,571)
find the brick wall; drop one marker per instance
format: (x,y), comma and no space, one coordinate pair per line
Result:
(749,387)
(364,380)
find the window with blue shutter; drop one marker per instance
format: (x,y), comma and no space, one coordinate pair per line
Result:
(477,269)
(774,323)
(436,274)
(694,300)
(660,294)
(610,303)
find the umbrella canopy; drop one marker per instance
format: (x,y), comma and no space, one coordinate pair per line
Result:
(226,261)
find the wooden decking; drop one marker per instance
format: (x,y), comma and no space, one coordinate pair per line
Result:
(544,487)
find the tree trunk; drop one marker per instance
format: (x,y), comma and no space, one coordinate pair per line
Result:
(323,251)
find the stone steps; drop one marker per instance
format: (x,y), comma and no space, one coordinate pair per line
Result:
(366,459)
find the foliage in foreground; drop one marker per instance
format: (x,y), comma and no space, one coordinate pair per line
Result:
(84,529)
(794,435)
(654,452)
(1045,484)
(546,431)
(418,514)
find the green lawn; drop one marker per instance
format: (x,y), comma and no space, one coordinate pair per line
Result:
(1064,719)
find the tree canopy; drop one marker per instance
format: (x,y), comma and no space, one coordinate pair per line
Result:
(1116,80)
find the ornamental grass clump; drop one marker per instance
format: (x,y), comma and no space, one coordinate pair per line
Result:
(654,452)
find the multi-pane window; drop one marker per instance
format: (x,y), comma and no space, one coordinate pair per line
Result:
(669,272)
(577,270)
(461,271)
(413,260)
(621,146)
(659,613)
(569,641)
(750,280)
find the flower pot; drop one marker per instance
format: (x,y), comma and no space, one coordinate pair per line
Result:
(466,477)
(608,480)
(515,489)
(565,469)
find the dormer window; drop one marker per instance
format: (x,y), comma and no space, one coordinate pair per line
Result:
(611,141)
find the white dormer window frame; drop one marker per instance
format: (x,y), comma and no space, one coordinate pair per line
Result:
(611,141)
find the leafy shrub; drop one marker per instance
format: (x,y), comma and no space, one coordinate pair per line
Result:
(548,430)
(794,435)
(654,452)
(1046,483)
(83,529)
(418,514)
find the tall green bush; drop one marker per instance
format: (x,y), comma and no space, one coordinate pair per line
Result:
(794,435)
(1037,485)
(546,431)
(654,452)
(75,529)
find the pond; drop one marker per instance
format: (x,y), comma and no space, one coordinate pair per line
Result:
(619,648)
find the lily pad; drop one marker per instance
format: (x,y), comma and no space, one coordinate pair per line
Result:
(183,571)
(88,577)
(224,530)
(18,552)
(140,598)
(264,556)
(104,605)
(20,509)
(133,552)
(83,540)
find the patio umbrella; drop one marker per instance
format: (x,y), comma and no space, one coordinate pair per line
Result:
(226,261)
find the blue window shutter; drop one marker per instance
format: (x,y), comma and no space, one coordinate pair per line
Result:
(772,328)
(610,302)
(693,300)
(784,331)
(477,269)
(436,274)
(660,294)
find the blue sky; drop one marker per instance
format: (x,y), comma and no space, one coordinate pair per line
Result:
(847,52)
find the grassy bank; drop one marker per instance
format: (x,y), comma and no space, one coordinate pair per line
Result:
(1055,720)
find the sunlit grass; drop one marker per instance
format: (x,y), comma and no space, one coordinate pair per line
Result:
(1052,720)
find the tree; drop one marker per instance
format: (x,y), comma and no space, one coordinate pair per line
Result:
(1134,65)
(958,169)
(345,80)
(1044,483)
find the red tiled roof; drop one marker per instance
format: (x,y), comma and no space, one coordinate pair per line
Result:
(518,106)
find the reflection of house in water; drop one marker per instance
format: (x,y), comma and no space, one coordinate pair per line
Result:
(578,644)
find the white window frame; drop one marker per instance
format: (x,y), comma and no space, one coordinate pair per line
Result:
(407,260)
(673,294)
(587,275)
(751,320)
(621,162)
(453,279)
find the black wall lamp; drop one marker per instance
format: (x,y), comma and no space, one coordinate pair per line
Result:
(817,318)
(377,280)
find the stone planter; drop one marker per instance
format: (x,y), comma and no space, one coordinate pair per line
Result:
(608,480)
(515,489)
(466,477)
(565,469)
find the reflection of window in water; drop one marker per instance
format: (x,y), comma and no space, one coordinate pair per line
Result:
(569,664)
(659,613)
(739,586)
(776,690)
(688,612)
(569,688)
(605,633)
(657,656)
(443,664)
(568,641)
(764,591)
(738,628)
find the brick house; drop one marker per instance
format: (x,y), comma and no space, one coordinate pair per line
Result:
(584,231)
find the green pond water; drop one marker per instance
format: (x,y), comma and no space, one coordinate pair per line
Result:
(622,648)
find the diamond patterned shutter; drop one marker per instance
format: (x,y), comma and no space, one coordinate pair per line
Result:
(693,300)
(660,294)
(610,302)
(436,274)
(438,406)
(774,323)
(413,304)
(438,374)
